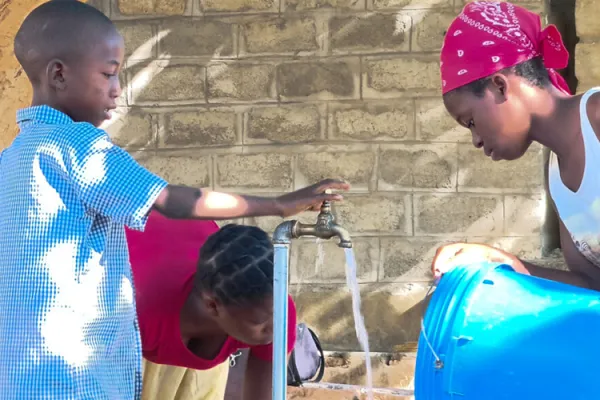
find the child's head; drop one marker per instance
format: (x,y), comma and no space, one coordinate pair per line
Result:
(235,282)
(497,68)
(72,54)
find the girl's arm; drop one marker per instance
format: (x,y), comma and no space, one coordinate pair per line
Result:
(259,368)
(581,271)
(257,381)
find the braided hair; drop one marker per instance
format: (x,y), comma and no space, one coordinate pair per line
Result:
(236,265)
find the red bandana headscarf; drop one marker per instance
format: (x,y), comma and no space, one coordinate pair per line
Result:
(489,36)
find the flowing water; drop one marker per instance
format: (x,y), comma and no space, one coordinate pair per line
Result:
(359,322)
(320,257)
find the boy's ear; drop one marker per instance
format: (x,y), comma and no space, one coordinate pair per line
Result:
(56,74)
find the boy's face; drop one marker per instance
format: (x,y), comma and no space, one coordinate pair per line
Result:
(498,121)
(87,88)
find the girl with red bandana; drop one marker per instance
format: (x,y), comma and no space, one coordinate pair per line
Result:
(499,81)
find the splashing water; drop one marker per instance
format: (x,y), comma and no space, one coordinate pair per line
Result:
(359,322)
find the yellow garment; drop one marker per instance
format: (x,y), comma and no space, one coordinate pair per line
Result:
(166,382)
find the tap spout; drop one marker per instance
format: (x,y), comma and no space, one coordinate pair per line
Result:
(343,235)
(324,231)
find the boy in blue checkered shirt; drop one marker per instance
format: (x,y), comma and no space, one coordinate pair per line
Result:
(68,328)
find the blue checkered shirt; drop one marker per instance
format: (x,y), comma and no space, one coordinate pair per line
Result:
(68,326)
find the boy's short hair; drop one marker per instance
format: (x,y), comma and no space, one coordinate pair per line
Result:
(58,29)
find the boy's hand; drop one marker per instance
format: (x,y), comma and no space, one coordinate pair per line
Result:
(452,255)
(310,198)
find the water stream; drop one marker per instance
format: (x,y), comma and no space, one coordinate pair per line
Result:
(359,322)
(320,257)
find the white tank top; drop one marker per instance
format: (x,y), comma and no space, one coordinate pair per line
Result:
(580,210)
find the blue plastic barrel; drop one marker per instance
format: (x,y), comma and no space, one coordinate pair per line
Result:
(503,335)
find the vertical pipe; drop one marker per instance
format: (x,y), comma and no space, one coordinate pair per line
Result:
(280,320)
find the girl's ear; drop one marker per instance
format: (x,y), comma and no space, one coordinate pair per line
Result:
(210,304)
(499,85)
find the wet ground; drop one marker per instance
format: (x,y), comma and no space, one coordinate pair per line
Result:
(317,394)
(389,371)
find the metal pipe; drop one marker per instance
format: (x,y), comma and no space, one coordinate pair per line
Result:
(284,233)
(281,241)
(280,318)
(325,228)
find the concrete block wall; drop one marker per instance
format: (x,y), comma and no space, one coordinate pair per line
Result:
(267,96)
(587,51)
(15,90)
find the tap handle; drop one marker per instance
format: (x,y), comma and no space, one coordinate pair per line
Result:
(326,206)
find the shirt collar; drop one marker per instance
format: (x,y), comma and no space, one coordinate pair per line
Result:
(42,114)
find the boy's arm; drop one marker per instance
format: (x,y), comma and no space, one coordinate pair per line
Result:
(186,202)
(109,181)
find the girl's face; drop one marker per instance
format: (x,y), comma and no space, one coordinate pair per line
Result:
(499,121)
(251,324)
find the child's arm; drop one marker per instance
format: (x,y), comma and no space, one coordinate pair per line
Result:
(258,379)
(581,271)
(110,182)
(186,202)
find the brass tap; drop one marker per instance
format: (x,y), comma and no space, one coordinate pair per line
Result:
(324,228)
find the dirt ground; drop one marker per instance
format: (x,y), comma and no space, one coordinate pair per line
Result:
(397,371)
(323,394)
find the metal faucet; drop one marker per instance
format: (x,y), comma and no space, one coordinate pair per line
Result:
(324,228)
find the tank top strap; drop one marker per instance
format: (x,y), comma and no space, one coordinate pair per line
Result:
(558,191)
(590,139)
(577,209)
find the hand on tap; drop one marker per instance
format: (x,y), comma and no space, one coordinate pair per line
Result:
(310,198)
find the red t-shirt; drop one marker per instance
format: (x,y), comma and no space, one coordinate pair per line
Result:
(163,260)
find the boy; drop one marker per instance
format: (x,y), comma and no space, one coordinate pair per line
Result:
(203,293)
(497,67)
(67,307)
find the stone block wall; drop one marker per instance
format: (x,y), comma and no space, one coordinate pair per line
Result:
(587,51)
(267,96)
(15,90)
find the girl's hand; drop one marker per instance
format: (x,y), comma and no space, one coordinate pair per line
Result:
(452,255)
